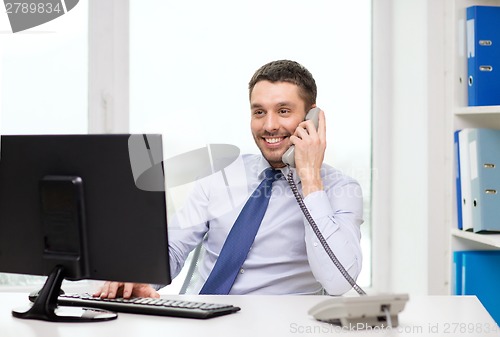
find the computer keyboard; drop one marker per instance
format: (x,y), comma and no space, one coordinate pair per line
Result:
(150,306)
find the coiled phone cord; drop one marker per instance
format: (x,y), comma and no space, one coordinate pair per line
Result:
(320,236)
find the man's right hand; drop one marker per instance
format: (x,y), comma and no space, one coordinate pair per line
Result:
(126,290)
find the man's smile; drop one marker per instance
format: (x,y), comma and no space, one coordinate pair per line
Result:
(273,140)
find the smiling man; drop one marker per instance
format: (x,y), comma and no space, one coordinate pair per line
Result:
(284,255)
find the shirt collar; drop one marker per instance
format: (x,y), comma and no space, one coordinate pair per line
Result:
(263,164)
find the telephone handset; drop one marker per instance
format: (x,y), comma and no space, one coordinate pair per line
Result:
(289,155)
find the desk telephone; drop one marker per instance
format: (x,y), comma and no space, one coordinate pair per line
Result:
(354,312)
(361,312)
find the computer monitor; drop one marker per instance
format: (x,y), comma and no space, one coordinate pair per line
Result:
(82,207)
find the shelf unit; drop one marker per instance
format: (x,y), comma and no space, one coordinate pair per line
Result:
(484,241)
(463,116)
(478,111)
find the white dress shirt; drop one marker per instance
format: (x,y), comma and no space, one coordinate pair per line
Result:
(286,256)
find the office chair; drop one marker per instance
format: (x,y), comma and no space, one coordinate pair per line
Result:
(192,273)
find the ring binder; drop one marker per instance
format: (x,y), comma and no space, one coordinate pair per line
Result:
(483,55)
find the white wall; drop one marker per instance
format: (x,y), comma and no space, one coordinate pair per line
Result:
(410,146)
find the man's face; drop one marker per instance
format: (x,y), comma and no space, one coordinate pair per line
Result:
(277,110)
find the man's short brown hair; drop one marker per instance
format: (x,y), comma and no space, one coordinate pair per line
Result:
(288,71)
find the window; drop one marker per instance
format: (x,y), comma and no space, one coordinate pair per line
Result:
(190,62)
(43,83)
(43,74)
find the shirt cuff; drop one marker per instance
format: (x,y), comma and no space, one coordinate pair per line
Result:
(318,204)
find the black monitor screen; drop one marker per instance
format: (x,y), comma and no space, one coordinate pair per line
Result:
(90,206)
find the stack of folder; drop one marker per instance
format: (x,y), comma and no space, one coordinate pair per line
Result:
(477,166)
(477,273)
(483,55)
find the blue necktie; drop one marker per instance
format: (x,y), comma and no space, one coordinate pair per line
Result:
(240,238)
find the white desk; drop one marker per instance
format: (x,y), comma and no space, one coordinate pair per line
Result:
(262,316)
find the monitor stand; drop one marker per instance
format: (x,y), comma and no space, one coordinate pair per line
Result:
(46,308)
